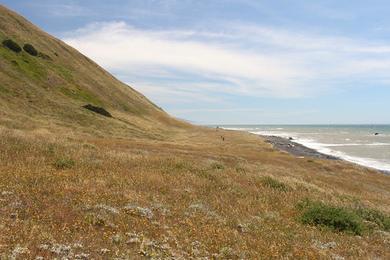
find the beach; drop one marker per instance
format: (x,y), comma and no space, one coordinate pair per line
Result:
(299,150)
(365,145)
(296,149)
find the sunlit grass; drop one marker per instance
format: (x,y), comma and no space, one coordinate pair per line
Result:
(72,190)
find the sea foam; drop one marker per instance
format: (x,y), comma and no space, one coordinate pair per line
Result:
(326,148)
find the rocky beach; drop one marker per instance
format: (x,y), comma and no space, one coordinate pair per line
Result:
(296,149)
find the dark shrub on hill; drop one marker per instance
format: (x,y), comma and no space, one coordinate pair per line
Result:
(30,49)
(98,110)
(44,56)
(13,46)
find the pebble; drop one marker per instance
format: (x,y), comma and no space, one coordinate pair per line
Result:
(82,256)
(337,257)
(201,208)
(107,208)
(133,238)
(329,245)
(18,250)
(116,239)
(60,249)
(138,211)
(6,193)
(104,251)
(77,245)
(241,228)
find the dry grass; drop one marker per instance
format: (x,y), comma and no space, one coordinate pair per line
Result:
(191,195)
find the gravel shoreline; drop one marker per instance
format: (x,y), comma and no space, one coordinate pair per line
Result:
(299,150)
(296,149)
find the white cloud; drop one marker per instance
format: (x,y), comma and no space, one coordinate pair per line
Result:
(117,46)
(241,60)
(180,94)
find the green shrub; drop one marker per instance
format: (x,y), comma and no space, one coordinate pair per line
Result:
(64,163)
(13,46)
(374,216)
(30,49)
(335,218)
(275,184)
(386,224)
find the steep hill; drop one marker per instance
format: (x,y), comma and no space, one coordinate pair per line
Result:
(54,85)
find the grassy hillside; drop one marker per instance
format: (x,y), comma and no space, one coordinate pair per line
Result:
(53,86)
(78,185)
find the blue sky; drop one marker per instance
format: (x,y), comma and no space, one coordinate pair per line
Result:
(237,61)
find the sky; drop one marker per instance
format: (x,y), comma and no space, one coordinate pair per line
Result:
(237,61)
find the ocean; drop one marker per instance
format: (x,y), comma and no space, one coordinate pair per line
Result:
(367,145)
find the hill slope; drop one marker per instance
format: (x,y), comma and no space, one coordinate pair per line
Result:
(56,83)
(78,185)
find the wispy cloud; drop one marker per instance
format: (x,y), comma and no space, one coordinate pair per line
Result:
(62,9)
(244,59)
(117,46)
(165,93)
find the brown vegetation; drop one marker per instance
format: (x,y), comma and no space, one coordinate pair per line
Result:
(190,195)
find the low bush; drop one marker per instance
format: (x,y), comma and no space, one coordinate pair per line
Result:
(275,184)
(64,163)
(30,49)
(374,216)
(335,218)
(13,46)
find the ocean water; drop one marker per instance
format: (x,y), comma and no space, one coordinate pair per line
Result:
(354,143)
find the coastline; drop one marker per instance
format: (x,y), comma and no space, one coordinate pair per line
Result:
(296,149)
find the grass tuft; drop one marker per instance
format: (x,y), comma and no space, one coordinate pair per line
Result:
(217,166)
(275,184)
(80,94)
(64,163)
(25,64)
(3,89)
